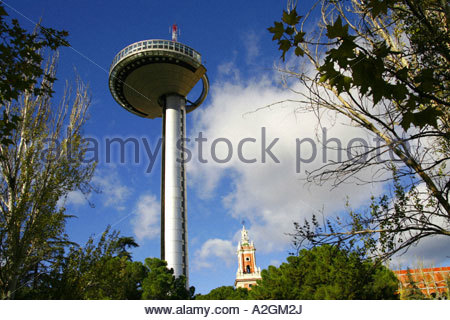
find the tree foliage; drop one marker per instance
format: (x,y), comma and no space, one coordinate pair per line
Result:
(96,271)
(41,166)
(326,272)
(100,271)
(21,64)
(161,284)
(104,269)
(383,65)
(224,293)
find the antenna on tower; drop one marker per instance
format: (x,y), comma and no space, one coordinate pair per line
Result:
(175,32)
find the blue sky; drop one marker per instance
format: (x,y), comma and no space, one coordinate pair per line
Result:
(239,55)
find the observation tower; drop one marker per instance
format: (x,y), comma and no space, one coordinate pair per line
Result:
(152,79)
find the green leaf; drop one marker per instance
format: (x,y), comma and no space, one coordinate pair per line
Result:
(376,7)
(346,49)
(299,38)
(378,90)
(422,118)
(2,11)
(341,83)
(399,92)
(402,74)
(360,74)
(277,30)
(299,51)
(291,18)
(408,118)
(285,45)
(6,141)
(426,80)
(337,30)
(290,31)
(381,50)
(347,81)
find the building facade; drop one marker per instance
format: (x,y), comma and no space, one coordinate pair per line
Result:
(432,282)
(248,273)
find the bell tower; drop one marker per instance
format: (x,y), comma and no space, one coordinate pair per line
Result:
(247,272)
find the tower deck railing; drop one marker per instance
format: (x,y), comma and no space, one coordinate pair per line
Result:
(156,44)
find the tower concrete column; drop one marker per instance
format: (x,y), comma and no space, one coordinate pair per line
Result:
(175,241)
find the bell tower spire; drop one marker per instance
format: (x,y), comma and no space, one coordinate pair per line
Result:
(247,272)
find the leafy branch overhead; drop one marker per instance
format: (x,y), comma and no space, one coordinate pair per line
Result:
(288,36)
(381,66)
(21,61)
(415,80)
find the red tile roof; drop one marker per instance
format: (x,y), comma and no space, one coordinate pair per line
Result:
(429,280)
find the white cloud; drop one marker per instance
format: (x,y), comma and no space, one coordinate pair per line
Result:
(113,192)
(270,195)
(251,44)
(275,263)
(229,71)
(206,256)
(429,252)
(74,198)
(146,218)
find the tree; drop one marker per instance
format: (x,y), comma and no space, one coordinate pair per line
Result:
(124,243)
(42,165)
(326,272)
(224,293)
(383,65)
(102,271)
(99,271)
(21,65)
(96,271)
(161,284)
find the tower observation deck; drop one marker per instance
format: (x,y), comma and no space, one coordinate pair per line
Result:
(152,79)
(144,72)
